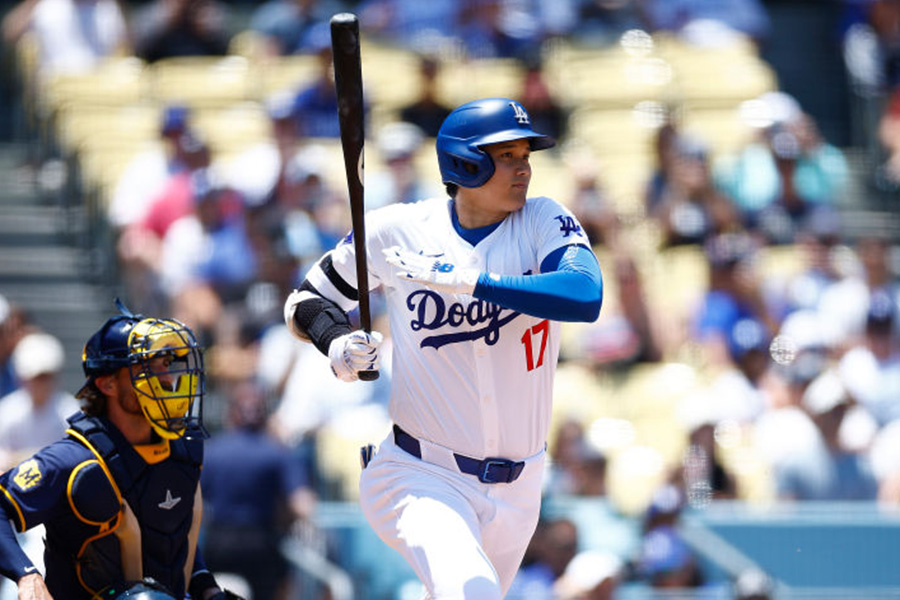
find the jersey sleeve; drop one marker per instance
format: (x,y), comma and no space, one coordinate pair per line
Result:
(35,490)
(553,226)
(334,275)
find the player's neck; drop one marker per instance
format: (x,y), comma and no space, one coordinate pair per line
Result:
(470,215)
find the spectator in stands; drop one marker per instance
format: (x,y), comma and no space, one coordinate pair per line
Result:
(498,29)
(707,22)
(564,455)
(553,546)
(286,25)
(146,175)
(546,113)
(313,214)
(310,402)
(31,417)
(704,476)
(844,305)
(315,106)
(817,242)
(73,36)
(735,383)
(688,206)
(872,44)
(734,294)
(780,178)
(665,152)
(871,369)
(578,466)
(591,202)
(590,575)
(170,28)
(139,245)
(253,491)
(412,24)
(207,259)
(13,325)
(753,584)
(811,452)
(888,138)
(35,414)
(665,560)
(601,22)
(626,333)
(258,172)
(176,198)
(427,111)
(884,456)
(400,180)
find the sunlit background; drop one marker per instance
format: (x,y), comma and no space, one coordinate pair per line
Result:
(732,413)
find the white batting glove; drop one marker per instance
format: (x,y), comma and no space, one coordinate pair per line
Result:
(354,352)
(438,275)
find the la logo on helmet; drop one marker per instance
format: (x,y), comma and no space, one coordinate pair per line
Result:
(520,114)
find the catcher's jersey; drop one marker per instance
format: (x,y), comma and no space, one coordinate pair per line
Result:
(467,374)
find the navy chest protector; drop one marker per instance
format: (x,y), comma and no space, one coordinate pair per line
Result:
(147,513)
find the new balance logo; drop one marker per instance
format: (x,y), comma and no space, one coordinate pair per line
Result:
(170,502)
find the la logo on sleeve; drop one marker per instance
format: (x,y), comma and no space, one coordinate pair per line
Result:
(28,475)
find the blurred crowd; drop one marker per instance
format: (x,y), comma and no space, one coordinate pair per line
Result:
(795,371)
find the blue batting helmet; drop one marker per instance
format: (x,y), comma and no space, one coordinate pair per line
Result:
(475,124)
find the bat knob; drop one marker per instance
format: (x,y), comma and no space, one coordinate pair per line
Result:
(368,375)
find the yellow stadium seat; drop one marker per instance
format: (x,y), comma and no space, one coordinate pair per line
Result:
(80,124)
(201,81)
(464,80)
(115,82)
(285,73)
(231,129)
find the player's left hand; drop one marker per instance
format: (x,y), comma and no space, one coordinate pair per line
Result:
(354,352)
(441,276)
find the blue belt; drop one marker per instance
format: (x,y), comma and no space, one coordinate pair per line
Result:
(489,470)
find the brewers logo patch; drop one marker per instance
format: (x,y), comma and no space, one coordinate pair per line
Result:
(28,475)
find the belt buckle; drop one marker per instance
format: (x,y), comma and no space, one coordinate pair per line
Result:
(490,465)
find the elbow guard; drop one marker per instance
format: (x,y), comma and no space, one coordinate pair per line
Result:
(312,318)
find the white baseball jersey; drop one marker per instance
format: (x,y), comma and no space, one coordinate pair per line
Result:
(467,375)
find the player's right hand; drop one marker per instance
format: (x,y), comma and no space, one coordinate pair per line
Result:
(32,587)
(354,352)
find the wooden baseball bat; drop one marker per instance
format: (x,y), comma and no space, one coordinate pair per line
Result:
(351,115)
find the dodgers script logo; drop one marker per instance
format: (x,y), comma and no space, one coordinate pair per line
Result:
(431,312)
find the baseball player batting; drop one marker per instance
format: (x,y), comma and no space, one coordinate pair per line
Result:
(476,284)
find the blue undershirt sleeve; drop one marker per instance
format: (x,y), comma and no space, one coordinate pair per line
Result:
(14,563)
(569,287)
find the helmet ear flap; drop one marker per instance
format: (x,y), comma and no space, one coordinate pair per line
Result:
(463,164)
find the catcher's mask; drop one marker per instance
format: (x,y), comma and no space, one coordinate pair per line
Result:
(165,363)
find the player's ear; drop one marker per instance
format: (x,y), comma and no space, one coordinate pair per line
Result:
(107,384)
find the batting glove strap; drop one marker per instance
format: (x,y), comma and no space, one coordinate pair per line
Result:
(432,271)
(354,352)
